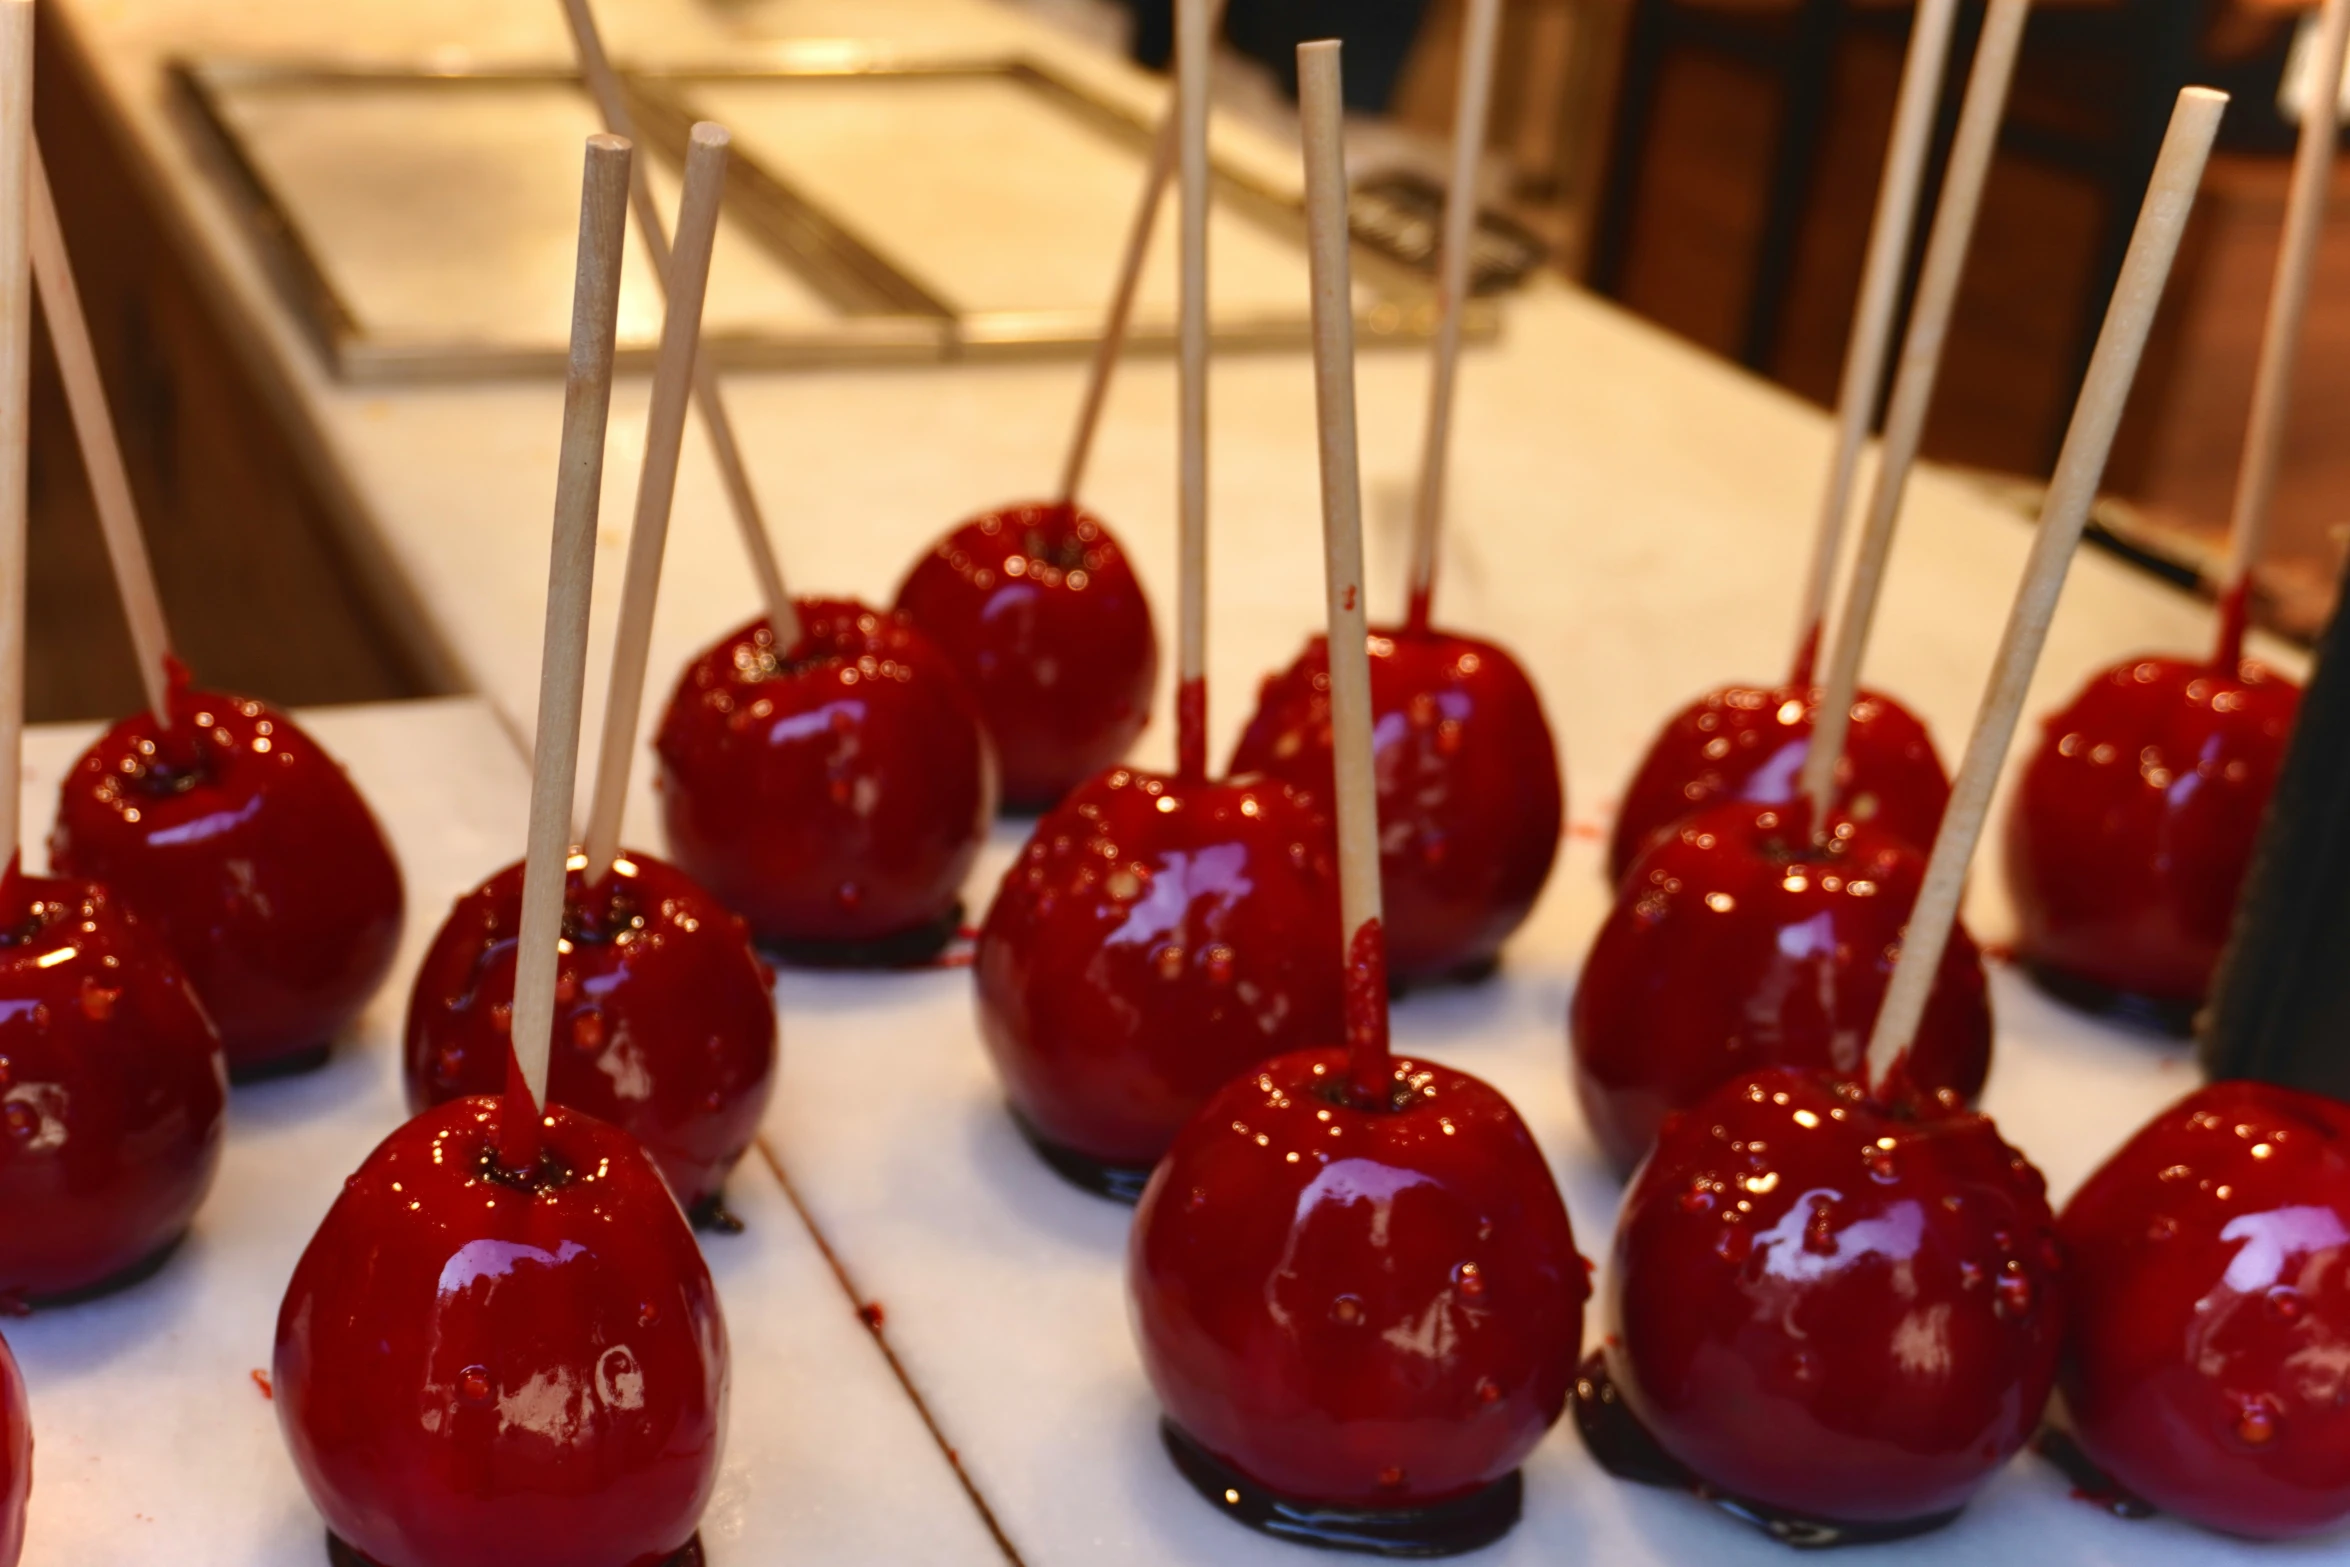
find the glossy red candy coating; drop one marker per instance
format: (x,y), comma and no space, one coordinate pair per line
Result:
(476,1372)
(1832,1311)
(1154,940)
(1362,1307)
(1038,609)
(664,1017)
(2207,1361)
(16,1459)
(1737,944)
(112,1091)
(245,848)
(1741,743)
(2134,822)
(836,792)
(1470,801)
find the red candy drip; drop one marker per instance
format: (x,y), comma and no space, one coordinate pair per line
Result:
(2235,609)
(1417,613)
(1191,731)
(518,1128)
(1807,656)
(1366,1012)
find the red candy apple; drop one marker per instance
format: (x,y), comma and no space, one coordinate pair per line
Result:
(1039,611)
(482,1369)
(2207,1364)
(1838,1316)
(1737,943)
(834,793)
(1470,802)
(245,849)
(664,1020)
(1360,1318)
(1746,744)
(1155,939)
(112,1091)
(16,1459)
(2134,824)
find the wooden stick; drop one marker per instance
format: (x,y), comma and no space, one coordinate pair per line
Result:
(579,480)
(648,539)
(1321,106)
(1872,322)
(1193,43)
(1971,154)
(1480,37)
(16,365)
(1130,268)
(2280,345)
(603,82)
(93,428)
(2170,197)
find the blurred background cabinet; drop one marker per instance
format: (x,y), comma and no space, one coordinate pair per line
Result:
(1743,151)
(1712,165)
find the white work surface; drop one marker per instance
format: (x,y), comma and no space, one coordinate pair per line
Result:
(1630,517)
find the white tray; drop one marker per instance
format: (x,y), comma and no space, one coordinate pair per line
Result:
(999,1287)
(153,1442)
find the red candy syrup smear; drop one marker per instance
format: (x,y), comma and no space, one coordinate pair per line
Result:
(518,1128)
(1366,1014)
(1191,730)
(1807,657)
(2234,612)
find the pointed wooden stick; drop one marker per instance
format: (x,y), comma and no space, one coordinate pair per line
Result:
(1113,339)
(2170,197)
(1971,154)
(2280,344)
(1480,37)
(1321,105)
(1193,43)
(93,428)
(673,377)
(1872,322)
(571,571)
(612,104)
(16,365)
(1104,369)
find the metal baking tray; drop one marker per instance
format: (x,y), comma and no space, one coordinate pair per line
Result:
(420,219)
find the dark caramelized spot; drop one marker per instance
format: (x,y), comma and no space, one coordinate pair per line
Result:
(551,1173)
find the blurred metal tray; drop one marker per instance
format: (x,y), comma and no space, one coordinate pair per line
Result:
(421,220)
